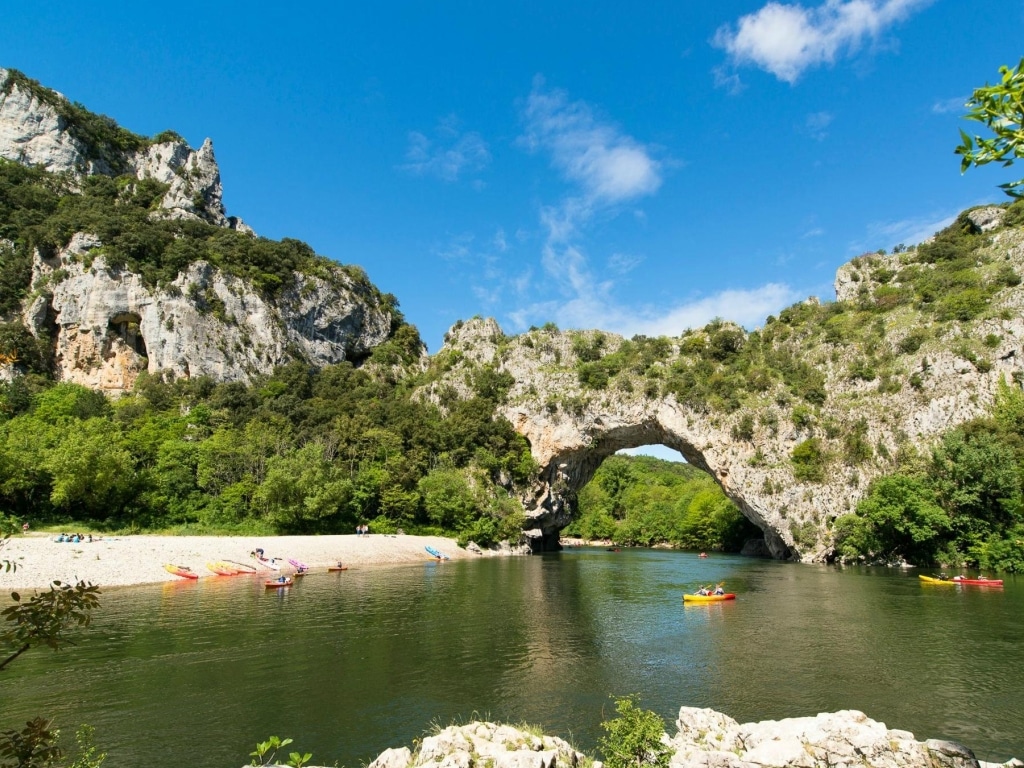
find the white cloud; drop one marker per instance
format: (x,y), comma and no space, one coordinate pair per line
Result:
(785,40)
(816,124)
(623,263)
(589,303)
(949,106)
(910,231)
(451,155)
(608,165)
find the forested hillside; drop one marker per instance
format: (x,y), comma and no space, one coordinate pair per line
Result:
(302,451)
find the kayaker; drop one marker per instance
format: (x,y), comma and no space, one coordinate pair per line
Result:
(719,590)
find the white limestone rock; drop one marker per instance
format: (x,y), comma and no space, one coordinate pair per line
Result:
(32,132)
(845,738)
(109,326)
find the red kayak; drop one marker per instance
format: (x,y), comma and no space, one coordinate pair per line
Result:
(978,582)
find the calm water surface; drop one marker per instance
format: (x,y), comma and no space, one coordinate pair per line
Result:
(348,664)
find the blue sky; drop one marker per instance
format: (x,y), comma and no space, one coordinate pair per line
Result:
(636,167)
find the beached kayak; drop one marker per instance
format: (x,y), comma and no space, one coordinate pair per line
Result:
(272,583)
(435,554)
(222,569)
(181,570)
(709,598)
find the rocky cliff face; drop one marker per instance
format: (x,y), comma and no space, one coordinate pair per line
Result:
(890,382)
(108,325)
(34,131)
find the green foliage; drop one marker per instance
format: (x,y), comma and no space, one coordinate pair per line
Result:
(633,739)
(266,751)
(45,617)
(999,107)
(88,755)
(808,460)
(34,746)
(965,504)
(43,620)
(645,501)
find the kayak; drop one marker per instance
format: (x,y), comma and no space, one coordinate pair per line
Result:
(982,582)
(709,598)
(222,569)
(268,563)
(181,570)
(963,580)
(239,567)
(272,583)
(933,580)
(298,565)
(337,568)
(435,554)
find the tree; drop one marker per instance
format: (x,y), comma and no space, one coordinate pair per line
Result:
(43,619)
(633,738)
(1001,108)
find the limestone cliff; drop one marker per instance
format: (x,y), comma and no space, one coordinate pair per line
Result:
(107,323)
(793,420)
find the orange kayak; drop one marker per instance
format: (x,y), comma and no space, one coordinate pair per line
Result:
(181,570)
(272,583)
(337,568)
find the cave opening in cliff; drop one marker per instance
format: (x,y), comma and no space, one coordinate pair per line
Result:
(127,327)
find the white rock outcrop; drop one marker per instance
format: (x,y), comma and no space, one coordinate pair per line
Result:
(33,132)
(108,326)
(704,739)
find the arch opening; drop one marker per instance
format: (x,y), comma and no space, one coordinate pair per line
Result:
(569,471)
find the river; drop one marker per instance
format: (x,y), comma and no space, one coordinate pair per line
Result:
(348,664)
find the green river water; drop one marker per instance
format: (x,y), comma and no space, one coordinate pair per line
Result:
(349,664)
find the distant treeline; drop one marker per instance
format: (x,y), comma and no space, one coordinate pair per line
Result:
(642,500)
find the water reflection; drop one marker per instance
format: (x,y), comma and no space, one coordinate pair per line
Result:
(349,663)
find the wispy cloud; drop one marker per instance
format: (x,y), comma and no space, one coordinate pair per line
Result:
(787,39)
(591,304)
(608,166)
(817,123)
(910,231)
(449,155)
(949,106)
(623,263)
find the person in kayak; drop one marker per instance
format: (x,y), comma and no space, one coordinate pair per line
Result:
(719,590)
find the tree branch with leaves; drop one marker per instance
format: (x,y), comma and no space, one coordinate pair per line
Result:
(1001,108)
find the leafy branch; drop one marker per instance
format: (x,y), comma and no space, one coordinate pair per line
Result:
(1001,108)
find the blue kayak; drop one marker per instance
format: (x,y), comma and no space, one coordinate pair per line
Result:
(434,553)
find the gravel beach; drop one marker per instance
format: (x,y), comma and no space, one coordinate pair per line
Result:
(126,560)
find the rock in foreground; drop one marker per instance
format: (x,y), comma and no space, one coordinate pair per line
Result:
(705,738)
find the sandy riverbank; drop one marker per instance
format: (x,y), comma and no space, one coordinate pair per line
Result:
(126,560)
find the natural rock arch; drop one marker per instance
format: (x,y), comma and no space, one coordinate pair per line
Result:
(815,422)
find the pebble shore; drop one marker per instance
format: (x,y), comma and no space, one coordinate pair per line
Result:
(131,560)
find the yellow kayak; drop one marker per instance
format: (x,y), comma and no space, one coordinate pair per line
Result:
(709,598)
(933,580)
